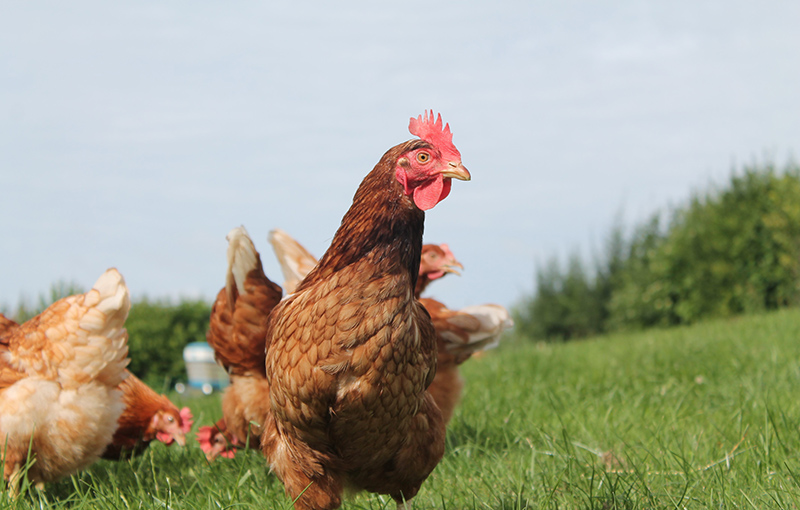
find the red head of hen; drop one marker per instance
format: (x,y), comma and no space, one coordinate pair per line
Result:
(425,172)
(172,426)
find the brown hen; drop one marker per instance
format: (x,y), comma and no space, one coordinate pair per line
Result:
(237,333)
(147,416)
(351,352)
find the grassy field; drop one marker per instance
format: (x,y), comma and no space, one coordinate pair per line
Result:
(700,417)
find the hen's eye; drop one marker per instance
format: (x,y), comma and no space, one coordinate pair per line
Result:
(170,419)
(423,157)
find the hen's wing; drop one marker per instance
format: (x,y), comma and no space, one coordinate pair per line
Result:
(459,334)
(296,262)
(239,316)
(473,328)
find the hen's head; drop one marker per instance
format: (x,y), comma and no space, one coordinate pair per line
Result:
(172,425)
(214,443)
(437,260)
(425,171)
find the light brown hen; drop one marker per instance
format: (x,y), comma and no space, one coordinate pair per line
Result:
(59,378)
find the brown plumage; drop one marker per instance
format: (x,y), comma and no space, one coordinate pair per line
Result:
(351,353)
(59,374)
(237,333)
(147,416)
(459,334)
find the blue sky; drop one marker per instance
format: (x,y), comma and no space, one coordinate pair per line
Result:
(136,135)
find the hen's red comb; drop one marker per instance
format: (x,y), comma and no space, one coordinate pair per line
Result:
(432,132)
(187,420)
(447,253)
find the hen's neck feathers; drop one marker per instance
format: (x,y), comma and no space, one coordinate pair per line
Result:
(141,403)
(382,223)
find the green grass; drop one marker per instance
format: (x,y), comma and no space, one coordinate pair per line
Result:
(699,417)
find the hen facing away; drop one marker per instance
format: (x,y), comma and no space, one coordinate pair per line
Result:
(237,333)
(59,374)
(351,352)
(147,416)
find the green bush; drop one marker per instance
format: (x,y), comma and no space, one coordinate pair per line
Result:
(729,251)
(157,334)
(732,251)
(573,303)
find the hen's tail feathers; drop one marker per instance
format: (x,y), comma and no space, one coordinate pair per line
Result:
(475,328)
(296,262)
(242,258)
(100,344)
(105,322)
(237,326)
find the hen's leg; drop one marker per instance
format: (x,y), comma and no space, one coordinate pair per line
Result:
(14,481)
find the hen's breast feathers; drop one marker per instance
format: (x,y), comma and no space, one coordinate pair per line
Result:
(363,353)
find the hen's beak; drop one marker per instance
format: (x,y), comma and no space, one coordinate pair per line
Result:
(456,170)
(179,438)
(451,267)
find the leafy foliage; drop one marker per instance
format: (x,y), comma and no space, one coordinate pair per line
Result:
(727,252)
(157,334)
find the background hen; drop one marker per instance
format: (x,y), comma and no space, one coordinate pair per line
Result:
(351,352)
(59,374)
(459,335)
(147,416)
(237,333)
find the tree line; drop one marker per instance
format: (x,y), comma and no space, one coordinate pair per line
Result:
(730,250)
